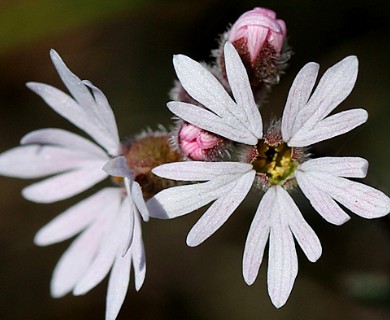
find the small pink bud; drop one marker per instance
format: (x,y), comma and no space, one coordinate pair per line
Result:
(258,28)
(260,40)
(198,144)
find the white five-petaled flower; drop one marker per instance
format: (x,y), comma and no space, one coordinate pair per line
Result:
(277,220)
(107,222)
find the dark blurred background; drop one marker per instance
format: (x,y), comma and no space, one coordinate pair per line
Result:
(125,48)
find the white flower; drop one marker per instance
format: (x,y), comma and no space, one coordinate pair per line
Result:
(305,121)
(107,222)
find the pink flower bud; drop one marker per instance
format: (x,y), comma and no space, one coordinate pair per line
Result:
(198,144)
(258,28)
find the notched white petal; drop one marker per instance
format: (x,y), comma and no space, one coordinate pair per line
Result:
(363,200)
(297,98)
(321,201)
(282,259)
(77,217)
(348,167)
(220,210)
(65,185)
(329,127)
(247,110)
(257,238)
(199,171)
(303,233)
(228,126)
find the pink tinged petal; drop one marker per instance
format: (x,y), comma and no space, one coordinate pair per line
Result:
(96,107)
(257,237)
(242,92)
(297,98)
(138,254)
(335,85)
(256,38)
(220,210)
(363,200)
(84,112)
(67,184)
(321,201)
(76,259)
(348,167)
(282,261)
(64,139)
(177,201)
(35,161)
(200,171)
(117,286)
(303,233)
(228,126)
(112,245)
(330,127)
(76,218)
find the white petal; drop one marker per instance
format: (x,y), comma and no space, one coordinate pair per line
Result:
(76,218)
(306,237)
(36,161)
(136,194)
(76,259)
(202,85)
(220,210)
(199,171)
(138,254)
(257,238)
(67,184)
(117,286)
(84,111)
(228,126)
(112,246)
(104,112)
(247,110)
(282,261)
(349,167)
(118,167)
(297,97)
(363,200)
(330,127)
(65,139)
(335,85)
(321,201)
(71,81)
(177,201)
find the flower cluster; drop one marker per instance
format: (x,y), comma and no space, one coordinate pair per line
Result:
(219,149)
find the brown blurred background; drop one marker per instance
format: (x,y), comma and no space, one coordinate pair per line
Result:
(125,48)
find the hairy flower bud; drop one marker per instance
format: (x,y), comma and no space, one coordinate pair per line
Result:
(258,28)
(260,40)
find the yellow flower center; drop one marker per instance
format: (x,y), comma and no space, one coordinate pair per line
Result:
(275,161)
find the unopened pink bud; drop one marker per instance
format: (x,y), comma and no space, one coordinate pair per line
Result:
(257,28)
(198,144)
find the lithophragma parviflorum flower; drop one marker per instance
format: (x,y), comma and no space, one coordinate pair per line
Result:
(273,161)
(108,222)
